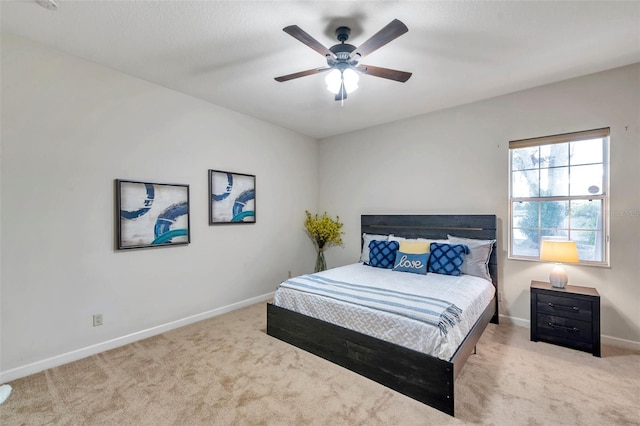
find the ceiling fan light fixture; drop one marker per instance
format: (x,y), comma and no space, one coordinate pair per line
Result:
(350,78)
(333,80)
(336,78)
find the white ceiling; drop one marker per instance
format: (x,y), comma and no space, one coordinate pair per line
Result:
(228,52)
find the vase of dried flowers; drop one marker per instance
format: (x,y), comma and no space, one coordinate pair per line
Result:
(325,232)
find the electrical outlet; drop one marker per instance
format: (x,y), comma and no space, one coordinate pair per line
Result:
(499,296)
(97,320)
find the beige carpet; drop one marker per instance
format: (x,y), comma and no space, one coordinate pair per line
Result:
(227,371)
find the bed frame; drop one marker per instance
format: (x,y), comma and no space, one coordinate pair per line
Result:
(422,377)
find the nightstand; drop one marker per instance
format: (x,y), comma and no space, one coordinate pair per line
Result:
(568,316)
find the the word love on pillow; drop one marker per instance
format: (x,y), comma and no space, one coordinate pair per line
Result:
(406,263)
(411,262)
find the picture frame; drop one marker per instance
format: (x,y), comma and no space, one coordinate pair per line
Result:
(232,198)
(151,214)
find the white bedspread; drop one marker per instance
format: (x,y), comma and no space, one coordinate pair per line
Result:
(471,294)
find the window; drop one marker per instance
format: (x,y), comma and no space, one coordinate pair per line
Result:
(559,190)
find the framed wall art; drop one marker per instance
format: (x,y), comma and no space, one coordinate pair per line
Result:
(151,214)
(232,197)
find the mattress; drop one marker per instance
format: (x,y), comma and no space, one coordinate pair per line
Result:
(469,293)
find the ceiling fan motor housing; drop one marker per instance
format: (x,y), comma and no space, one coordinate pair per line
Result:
(342,33)
(342,50)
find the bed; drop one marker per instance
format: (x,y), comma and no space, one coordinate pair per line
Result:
(425,377)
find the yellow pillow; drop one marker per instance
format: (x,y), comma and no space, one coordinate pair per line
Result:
(414,247)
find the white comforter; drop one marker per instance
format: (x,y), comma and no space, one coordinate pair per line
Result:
(470,294)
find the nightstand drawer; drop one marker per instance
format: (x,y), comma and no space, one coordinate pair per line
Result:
(564,330)
(564,306)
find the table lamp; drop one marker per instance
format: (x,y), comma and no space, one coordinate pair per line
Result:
(559,252)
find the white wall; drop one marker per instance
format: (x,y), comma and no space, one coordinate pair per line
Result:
(456,161)
(69,128)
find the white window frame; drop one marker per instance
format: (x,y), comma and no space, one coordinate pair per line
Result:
(558,139)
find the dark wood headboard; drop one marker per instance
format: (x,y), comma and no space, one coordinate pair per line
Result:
(482,227)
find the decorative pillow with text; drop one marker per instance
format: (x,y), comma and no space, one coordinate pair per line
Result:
(411,262)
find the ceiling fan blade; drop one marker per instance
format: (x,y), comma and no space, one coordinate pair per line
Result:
(298,33)
(393,30)
(301,74)
(387,73)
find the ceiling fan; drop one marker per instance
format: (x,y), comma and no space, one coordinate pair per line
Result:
(343,58)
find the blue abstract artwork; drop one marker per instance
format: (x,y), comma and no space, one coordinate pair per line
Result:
(232,197)
(152,214)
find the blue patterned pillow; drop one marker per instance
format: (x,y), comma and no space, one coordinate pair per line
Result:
(382,254)
(447,259)
(411,262)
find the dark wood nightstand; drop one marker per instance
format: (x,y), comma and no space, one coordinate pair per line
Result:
(567,316)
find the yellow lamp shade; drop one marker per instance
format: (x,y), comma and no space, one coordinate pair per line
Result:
(559,251)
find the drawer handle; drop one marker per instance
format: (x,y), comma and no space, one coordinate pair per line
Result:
(564,327)
(564,307)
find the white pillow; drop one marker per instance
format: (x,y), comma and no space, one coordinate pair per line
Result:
(394,238)
(367,238)
(475,263)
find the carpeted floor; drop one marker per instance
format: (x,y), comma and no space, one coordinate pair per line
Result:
(227,371)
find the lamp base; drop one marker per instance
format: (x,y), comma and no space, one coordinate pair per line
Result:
(558,277)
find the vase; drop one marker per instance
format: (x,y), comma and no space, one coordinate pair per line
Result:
(321,263)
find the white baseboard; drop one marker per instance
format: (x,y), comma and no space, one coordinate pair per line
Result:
(604,339)
(521,322)
(621,343)
(38,366)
